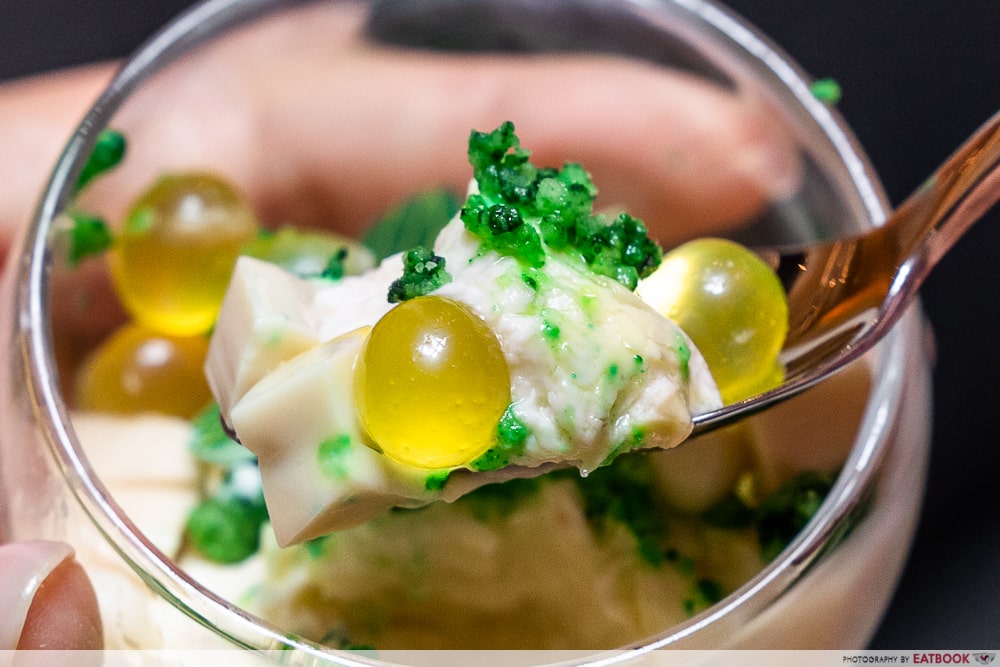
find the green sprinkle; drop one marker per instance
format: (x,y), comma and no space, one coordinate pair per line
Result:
(88,237)
(109,150)
(224,530)
(730,513)
(785,513)
(826,90)
(500,228)
(436,480)
(334,269)
(332,456)
(511,430)
(683,357)
(612,371)
(521,210)
(634,441)
(423,272)
(704,593)
(550,330)
(512,433)
(625,493)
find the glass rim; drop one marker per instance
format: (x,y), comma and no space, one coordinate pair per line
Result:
(210,18)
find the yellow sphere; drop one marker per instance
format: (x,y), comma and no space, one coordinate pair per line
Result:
(174,256)
(731,304)
(431,384)
(140,370)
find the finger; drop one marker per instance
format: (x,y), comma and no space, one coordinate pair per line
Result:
(47,598)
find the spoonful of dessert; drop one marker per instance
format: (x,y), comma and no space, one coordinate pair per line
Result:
(535,333)
(844,295)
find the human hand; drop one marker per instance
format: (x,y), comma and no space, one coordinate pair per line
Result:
(274,119)
(47,599)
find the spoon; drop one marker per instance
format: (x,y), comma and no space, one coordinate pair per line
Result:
(845,295)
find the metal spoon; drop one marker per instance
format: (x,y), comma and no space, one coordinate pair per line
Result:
(845,295)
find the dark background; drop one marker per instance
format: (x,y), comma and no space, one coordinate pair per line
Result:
(918,77)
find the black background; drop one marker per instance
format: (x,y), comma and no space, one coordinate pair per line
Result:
(918,77)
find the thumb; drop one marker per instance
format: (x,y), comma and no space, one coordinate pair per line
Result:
(47,598)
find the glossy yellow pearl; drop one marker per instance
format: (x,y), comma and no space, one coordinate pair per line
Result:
(138,370)
(173,258)
(733,307)
(431,384)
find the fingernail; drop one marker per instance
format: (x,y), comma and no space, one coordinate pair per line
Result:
(23,568)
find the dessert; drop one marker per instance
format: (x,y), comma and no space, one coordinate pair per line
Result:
(515,345)
(638,542)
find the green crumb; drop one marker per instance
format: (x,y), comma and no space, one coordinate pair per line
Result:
(639,363)
(511,431)
(224,530)
(612,371)
(332,456)
(633,442)
(683,357)
(493,458)
(625,493)
(704,593)
(501,228)
(826,90)
(525,212)
(550,330)
(622,251)
(89,236)
(683,563)
(512,434)
(730,513)
(783,514)
(423,272)
(108,152)
(436,480)
(335,269)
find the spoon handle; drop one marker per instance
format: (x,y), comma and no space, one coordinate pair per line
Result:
(962,190)
(845,295)
(877,274)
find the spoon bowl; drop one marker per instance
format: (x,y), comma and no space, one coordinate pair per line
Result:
(844,295)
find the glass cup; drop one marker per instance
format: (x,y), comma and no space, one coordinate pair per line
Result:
(299,102)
